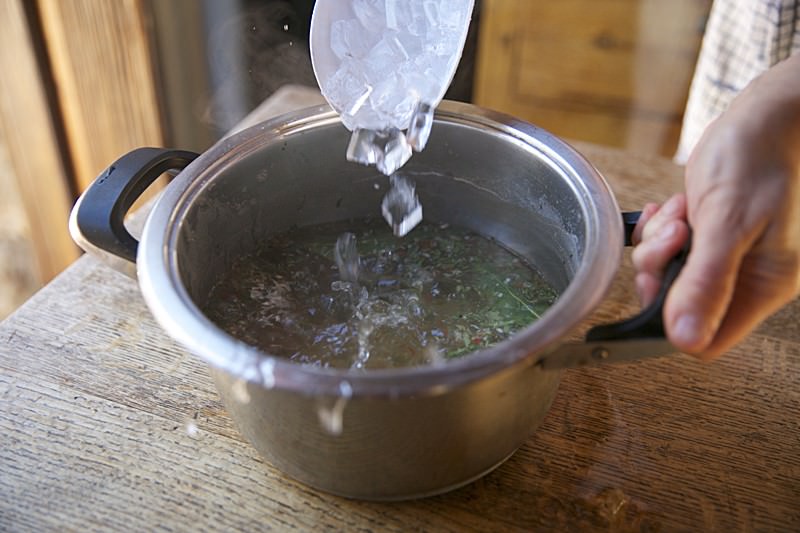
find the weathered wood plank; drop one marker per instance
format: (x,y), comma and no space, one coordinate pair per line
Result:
(673,442)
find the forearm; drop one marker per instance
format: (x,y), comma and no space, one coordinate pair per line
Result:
(771,105)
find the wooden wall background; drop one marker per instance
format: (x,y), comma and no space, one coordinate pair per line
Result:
(81,84)
(30,137)
(79,89)
(104,71)
(614,72)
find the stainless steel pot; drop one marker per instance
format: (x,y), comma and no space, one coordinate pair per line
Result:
(387,434)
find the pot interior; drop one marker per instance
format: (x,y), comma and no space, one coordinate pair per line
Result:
(482,179)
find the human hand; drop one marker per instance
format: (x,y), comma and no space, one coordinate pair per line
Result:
(743,203)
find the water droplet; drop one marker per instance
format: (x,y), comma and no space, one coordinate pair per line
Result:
(191,428)
(267,369)
(434,355)
(332,418)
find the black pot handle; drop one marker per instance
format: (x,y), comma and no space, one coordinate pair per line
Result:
(649,323)
(639,337)
(98,217)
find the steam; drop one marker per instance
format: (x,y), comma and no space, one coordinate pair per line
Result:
(252,53)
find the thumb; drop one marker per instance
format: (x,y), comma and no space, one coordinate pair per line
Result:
(699,299)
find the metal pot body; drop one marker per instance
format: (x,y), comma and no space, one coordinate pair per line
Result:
(386,448)
(400,433)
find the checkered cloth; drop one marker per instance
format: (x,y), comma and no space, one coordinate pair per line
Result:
(743,39)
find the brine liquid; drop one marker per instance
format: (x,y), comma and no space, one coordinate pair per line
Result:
(352,295)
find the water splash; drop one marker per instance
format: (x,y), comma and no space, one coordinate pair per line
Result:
(267,369)
(434,355)
(440,289)
(365,329)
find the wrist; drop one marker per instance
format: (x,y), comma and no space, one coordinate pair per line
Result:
(773,100)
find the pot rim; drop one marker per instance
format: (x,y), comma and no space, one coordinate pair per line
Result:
(173,308)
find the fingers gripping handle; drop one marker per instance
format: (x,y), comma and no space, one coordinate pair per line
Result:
(98,218)
(638,337)
(650,322)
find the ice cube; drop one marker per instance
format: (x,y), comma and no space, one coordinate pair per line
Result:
(398,48)
(412,45)
(393,101)
(453,14)
(339,37)
(416,23)
(419,130)
(388,150)
(370,13)
(384,59)
(398,14)
(364,147)
(346,89)
(356,104)
(391,14)
(367,118)
(439,43)
(422,83)
(400,206)
(396,152)
(350,40)
(431,10)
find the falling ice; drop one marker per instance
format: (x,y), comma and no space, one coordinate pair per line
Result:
(396,152)
(420,128)
(401,207)
(387,150)
(364,148)
(347,259)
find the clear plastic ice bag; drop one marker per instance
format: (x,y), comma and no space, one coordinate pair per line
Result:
(377,60)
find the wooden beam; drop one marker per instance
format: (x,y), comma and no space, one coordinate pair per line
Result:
(104,69)
(28,130)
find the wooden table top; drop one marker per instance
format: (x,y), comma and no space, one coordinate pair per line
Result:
(107,424)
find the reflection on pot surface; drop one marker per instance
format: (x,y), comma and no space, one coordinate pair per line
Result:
(371,300)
